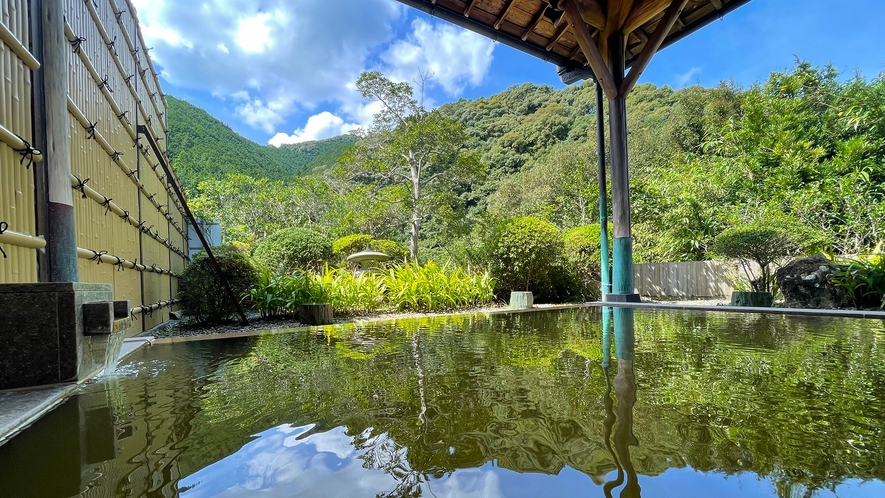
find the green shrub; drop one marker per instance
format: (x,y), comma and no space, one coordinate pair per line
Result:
(293,249)
(203,294)
(397,252)
(582,251)
(528,254)
(766,243)
(433,288)
(350,244)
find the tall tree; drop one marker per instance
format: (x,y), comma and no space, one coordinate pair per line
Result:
(415,156)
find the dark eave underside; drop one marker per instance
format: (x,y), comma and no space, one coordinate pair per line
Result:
(521,25)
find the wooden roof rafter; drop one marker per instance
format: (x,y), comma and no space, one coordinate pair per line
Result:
(528,25)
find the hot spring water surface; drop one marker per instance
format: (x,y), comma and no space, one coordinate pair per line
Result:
(540,404)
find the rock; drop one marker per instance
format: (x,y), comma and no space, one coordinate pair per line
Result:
(805,283)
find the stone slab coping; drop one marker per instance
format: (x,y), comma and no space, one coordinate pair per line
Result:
(19,408)
(747,309)
(52,287)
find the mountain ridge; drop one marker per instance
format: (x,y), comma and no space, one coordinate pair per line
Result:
(202,147)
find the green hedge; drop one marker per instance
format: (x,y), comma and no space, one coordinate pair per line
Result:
(293,249)
(350,244)
(529,254)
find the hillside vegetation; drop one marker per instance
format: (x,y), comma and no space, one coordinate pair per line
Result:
(202,147)
(806,145)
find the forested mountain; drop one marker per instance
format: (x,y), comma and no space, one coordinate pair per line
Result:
(202,147)
(806,144)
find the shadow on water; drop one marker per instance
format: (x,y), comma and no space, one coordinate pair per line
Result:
(595,402)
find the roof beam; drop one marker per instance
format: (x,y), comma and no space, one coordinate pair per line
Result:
(618,11)
(557,35)
(534,24)
(592,13)
(661,32)
(643,12)
(591,51)
(469,8)
(510,4)
(717,4)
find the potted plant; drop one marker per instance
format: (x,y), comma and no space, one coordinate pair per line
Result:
(765,244)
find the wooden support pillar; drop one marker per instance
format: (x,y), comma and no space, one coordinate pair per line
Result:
(61,234)
(603,188)
(622,248)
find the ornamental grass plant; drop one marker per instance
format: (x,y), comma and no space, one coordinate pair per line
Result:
(404,287)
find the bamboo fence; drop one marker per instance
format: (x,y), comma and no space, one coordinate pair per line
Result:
(130,226)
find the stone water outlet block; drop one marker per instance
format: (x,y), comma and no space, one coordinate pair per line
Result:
(43,332)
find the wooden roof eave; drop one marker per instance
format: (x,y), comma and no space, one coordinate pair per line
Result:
(570,70)
(472,24)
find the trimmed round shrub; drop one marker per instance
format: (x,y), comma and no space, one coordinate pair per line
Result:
(397,252)
(293,249)
(201,290)
(350,244)
(582,251)
(765,243)
(528,254)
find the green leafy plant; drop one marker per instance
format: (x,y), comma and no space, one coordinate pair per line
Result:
(863,279)
(352,294)
(293,249)
(202,292)
(764,243)
(434,288)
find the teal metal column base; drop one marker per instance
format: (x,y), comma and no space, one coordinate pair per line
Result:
(625,342)
(622,272)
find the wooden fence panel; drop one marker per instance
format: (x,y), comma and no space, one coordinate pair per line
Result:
(684,279)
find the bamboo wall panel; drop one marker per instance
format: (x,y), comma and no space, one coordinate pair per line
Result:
(124,209)
(17,195)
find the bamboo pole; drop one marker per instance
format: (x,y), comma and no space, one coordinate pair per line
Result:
(19,145)
(112,207)
(104,257)
(98,137)
(17,48)
(22,240)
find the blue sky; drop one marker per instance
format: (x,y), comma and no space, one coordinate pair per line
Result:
(283,70)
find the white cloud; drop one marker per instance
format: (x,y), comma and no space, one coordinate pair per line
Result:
(271,59)
(686,77)
(318,127)
(253,33)
(308,51)
(456,57)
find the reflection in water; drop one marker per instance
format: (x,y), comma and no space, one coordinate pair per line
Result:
(501,405)
(618,444)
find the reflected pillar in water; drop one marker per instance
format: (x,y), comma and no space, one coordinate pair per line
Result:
(621,419)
